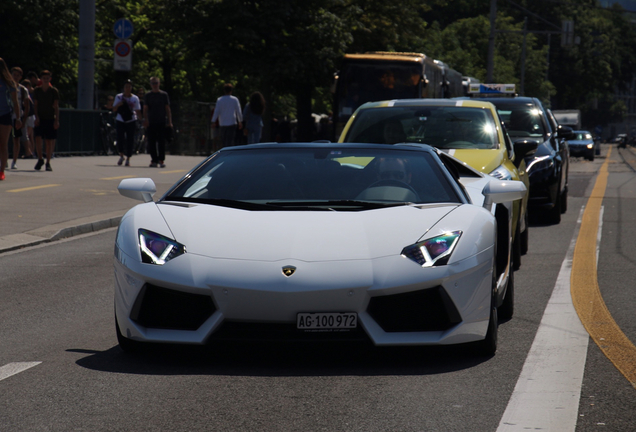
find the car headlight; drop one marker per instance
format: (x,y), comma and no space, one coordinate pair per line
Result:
(590,145)
(433,251)
(158,249)
(502,173)
(540,163)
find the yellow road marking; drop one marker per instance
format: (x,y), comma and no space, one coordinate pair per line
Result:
(117,178)
(585,291)
(34,188)
(99,191)
(171,172)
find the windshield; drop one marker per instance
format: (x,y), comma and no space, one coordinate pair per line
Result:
(522,120)
(449,127)
(580,136)
(362,82)
(310,178)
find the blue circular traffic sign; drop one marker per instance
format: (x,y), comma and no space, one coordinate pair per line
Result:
(123,28)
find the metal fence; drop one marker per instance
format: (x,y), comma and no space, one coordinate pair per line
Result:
(83,131)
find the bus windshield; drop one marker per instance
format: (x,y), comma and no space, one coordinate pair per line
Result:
(363,82)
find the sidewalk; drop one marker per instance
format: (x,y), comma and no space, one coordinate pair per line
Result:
(79,196)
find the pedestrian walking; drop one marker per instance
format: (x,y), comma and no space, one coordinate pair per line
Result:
(127,107)
(157,116)
(20,133)
(228,112)
(47,115)
(253,117)
(30,124)
(8,105)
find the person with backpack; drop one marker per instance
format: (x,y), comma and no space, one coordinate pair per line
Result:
(8,104)
(127,107)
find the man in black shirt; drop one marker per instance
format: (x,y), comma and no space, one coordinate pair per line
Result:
(157,116)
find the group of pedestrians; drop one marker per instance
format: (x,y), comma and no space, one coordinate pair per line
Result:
(153,110)
(29,111)
(229,118)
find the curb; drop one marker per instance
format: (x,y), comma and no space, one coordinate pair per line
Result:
(59,231)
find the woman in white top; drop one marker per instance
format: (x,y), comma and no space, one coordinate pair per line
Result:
(127,107)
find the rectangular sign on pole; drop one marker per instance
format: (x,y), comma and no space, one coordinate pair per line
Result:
(123,55)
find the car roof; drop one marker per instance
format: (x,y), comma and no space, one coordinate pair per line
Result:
(471,103)
(518,100)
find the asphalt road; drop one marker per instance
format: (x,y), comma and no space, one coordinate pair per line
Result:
(56,323)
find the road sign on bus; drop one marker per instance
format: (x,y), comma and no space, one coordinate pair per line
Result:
(492,88)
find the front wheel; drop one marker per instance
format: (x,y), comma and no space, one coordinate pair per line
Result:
(553,216)
(488,347)
(524,236)
(564,201)
(507,308)
(517,248)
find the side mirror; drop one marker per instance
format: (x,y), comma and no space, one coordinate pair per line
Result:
(141,189)
(501,191)
(524,148)
(565,132)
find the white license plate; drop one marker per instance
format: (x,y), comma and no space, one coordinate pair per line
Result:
(326,321)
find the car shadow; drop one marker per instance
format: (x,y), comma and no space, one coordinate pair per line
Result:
(278,359)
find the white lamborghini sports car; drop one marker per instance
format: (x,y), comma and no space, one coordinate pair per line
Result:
(390,243)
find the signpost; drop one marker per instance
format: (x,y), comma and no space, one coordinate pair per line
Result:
(123,55)
(123,30)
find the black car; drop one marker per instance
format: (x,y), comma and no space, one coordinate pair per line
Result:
(582,145)
(525,119)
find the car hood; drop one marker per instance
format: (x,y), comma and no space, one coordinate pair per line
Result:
(221,232)
(482,160)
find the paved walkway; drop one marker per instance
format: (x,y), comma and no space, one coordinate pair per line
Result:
(79,196)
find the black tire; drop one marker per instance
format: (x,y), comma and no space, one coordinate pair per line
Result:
(129,346)
(516,248)
(553,216)
(525,237)
(564,201)
(591,158)
(488,347)
(507,308)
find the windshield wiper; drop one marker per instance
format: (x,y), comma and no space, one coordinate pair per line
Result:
(336,203)
(222,202)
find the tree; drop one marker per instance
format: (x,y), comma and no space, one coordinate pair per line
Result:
(39,35)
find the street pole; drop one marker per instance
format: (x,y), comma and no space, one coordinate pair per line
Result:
(86,67)
(491,42)
(523,57)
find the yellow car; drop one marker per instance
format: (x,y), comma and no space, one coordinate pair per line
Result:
(469,130)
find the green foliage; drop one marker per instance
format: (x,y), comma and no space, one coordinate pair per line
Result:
(40,35)
(290,49)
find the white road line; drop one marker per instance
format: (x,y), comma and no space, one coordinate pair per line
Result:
(548,391)
(15,368)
